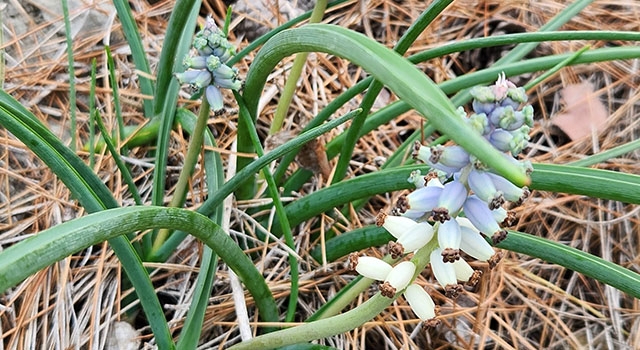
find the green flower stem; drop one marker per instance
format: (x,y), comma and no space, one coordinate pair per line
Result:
(177,42)
(194,148)
(319,329)
(325,327)
(294,75)
(192,328)
(275,196)
(346,295)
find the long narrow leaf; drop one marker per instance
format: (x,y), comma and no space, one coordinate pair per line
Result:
(130,29)
(217,198)
(354,133)
(595,183)
(574,259)
(388,67)
(34,253)
(546,177)
(176,44)
(92,194)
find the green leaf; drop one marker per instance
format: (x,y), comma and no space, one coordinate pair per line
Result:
(176,44)
(354,132)
(218,197)
(386,66)
(604,184)
(36,252)
(589,265)
(92,194)
(327,198)
(139,54)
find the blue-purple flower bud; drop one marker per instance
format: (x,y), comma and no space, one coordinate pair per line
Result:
(480,183)
(517,95)
(482,94)
(451,156)
(215,98)
(501,113)
(195,62)
(501,139)
(224,52)
(424,154)
(232,84)
(449,240)
(510,191)
(450,201)
(202,46)
(513,121)
(520,140)
(225,72)
(483,107)
(424,199)
(482,218)
(213,63)
(197,78)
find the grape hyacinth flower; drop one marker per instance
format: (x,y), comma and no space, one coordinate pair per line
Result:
(395,279)
(457,205)
(208,69)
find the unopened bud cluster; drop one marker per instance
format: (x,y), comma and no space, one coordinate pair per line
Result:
(457,205)
(208,69)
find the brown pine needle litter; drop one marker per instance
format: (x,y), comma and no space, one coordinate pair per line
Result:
(524,303)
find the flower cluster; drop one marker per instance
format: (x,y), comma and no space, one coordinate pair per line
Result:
(208,69)
(457,205)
